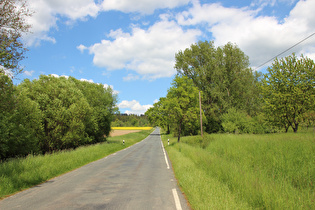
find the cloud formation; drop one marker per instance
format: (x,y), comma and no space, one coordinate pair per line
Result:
(47,13)
(141,6)
(133,107)
(149,52)
(260,37)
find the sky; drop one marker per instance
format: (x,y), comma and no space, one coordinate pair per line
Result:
(130,45)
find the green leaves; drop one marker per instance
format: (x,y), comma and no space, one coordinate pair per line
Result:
(224,76)
(12,26)
(52,114)
(288,90)
(180,108)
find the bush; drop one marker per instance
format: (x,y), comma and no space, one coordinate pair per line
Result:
(235,121)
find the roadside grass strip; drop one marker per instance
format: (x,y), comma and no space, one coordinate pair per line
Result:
(132,128)
(22,173)
(274,171)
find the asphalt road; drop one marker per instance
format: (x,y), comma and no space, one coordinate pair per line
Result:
(138,177)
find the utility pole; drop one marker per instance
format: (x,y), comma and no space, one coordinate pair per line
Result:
(200,115)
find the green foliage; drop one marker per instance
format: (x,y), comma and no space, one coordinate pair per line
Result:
(159,114)
(12,26)
(180,108)
(288,91)
(124,120)
(223,75)
(65,112)
(183,106)
(102,101)
(52,114)
(274,171)
(309,119)
(20,127)
(235,121)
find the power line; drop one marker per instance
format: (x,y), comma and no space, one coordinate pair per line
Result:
(285,50)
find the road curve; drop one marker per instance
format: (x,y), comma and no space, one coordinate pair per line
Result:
(135,178)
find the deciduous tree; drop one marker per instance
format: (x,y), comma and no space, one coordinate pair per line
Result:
(288,90)
(224,76)
(12,26)
(183,104)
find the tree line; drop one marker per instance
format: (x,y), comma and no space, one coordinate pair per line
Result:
(49,114)
(131,120)
(235,98)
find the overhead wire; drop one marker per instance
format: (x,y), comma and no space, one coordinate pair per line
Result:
(285,50)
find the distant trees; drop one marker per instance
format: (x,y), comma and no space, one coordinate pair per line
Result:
(288,91)
(159,114)
(179,109)
(132,120)
(52,113)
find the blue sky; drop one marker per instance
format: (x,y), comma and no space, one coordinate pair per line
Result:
(131,44)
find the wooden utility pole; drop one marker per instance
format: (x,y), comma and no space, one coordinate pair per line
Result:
(200,115)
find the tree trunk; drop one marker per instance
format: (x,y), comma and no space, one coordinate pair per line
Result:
(295,127)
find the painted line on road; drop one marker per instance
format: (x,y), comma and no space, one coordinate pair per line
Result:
(168,166)
(176,198)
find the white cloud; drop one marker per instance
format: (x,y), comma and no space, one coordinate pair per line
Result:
(46,14)
(54,75)
(134,107)
(260,37)
(29,73)
(149,52)
(81,48)
(86,80)
(131,77)
(141,6)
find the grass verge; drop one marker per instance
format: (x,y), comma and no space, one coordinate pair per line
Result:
(221,171)
(22,173)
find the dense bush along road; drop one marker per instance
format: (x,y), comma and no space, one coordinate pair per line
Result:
(138,177)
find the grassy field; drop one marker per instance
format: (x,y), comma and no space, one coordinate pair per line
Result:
(222,171)
(22,173)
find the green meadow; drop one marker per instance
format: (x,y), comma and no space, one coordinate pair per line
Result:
(22,173)
(225,171)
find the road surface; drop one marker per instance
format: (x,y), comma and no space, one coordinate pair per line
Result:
(138,177)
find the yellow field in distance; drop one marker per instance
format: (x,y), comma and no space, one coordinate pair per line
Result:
(132,128)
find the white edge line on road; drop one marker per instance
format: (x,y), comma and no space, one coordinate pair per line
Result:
(168,166)
(176,198)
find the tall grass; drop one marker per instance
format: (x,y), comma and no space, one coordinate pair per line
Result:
(22,173)
(221,171)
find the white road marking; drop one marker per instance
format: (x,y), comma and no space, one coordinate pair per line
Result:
(168,166)
(176,198)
